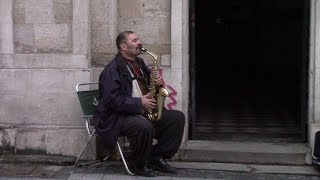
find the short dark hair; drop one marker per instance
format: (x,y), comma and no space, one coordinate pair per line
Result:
(122,38)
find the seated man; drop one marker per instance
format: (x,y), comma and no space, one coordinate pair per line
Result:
(121,112)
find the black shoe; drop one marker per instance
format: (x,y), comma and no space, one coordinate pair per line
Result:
(161,165)
(142,171)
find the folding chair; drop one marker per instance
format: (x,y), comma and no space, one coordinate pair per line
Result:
(89,99)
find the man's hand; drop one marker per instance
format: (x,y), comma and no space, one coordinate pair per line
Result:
(148,103)
(159,80)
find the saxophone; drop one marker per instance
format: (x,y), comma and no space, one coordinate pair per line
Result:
(156,92)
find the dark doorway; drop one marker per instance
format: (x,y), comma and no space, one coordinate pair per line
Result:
(249,63)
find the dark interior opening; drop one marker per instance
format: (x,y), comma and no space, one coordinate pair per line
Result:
(249,70)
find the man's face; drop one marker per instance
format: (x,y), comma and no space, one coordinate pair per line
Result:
(131,47)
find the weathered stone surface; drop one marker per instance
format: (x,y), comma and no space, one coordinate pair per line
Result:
(99,11)
(18,11)
(52,109)
(81,11)
(173,78)
(56,80)
(165,60)
(39,11)
(101,59)
(80,38)
(317,83)
(6,12)
(132,23)
(157,8)
(30,139)
(9,137)
(51,98)
(131,8)
(15,80)
(63,11)
(53,38)
(176,52)
(23,37)
(317,110)
(13,108)
(69,142)
(95,73)
(100,39)
(47,61)
(6,36)
(6,61)
(156,30)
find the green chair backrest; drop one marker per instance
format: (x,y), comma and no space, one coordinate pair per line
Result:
(89,101)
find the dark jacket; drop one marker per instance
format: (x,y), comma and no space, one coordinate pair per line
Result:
(116,101)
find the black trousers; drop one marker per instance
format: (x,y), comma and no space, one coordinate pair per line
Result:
(168,132)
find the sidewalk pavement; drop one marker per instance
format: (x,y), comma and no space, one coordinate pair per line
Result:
(59,167)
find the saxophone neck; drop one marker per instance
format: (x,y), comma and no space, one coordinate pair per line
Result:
(150,53)
(153,55)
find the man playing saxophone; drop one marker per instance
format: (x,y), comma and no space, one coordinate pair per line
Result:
(124,90)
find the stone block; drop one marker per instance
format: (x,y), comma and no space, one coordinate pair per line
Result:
(173,80)
(69,142)
(64,2)
(48,61)
(18,11)
(62,10)
(81,11)
(316,110)
(157,8)
(39,11)
(165,60)
(31,139)
(100,39)
(131,8)
(80,38)
(56,80)
(53,109)
(176,56)
(6,36)
(99,11)
(23,37)
(14,108)
(15,80)
(99,60)
(317,83)
(156,30)
(6,12)
(132,23)
(95,73)
(53,38)
(9,136)
(6,61)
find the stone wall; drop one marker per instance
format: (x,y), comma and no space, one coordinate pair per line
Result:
(49,46)
(43,55)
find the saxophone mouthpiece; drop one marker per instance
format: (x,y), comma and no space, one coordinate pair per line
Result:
(142,49)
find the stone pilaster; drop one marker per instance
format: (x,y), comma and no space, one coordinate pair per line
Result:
(6,27)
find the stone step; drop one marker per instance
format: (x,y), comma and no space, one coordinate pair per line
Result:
(246,152)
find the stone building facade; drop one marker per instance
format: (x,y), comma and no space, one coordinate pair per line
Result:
(49,46)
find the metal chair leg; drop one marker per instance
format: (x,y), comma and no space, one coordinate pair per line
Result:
(123,160)
(90,137)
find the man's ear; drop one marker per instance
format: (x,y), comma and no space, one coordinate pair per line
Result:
(123,46)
